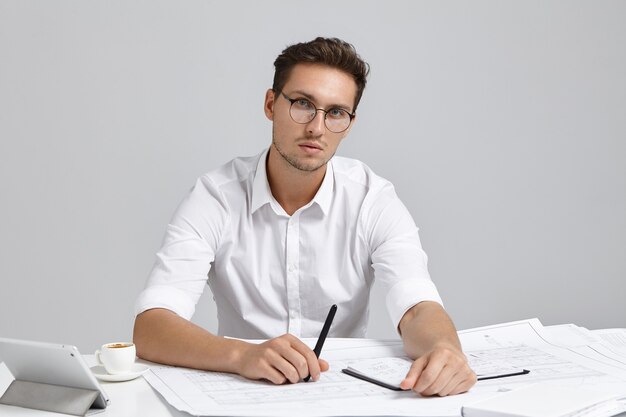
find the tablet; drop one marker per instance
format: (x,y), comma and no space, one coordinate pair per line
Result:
(50,363)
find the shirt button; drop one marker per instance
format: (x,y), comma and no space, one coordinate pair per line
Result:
(291,268)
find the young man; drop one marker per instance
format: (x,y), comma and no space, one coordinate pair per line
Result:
(287,233)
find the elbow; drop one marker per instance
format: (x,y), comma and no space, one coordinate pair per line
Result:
(141,335)
(150,332)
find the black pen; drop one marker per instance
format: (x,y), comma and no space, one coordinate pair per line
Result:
(320,340)
(522,372)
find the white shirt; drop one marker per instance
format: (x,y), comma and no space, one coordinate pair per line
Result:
(271,273)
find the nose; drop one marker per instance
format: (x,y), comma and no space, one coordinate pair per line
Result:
(316,126)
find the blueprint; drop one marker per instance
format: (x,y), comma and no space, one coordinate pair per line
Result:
(562,356)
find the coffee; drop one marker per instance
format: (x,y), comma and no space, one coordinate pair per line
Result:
(117,357)
(119,345)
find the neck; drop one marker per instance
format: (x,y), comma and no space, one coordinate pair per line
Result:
(291,187)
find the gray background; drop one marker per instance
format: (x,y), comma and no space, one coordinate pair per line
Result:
(501,123)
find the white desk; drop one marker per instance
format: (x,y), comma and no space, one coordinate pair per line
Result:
(138,398)
(134,398)
(128,399)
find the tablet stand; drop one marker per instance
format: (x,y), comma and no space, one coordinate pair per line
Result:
(48,397)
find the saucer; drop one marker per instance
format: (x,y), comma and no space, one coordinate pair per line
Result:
(101,373)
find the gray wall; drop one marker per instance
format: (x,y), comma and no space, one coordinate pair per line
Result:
(501,123)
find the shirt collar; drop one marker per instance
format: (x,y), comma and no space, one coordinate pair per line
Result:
(262,194)
(324,195)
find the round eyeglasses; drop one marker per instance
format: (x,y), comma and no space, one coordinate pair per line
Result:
(302,111)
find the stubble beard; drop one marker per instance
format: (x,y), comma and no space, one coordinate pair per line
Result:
(295,162)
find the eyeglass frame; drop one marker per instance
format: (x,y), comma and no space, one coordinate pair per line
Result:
(293,100)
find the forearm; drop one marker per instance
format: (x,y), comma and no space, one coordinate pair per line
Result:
(427,326)
(162,336)
(439,366)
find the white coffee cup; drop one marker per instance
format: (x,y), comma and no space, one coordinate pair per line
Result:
(117,358)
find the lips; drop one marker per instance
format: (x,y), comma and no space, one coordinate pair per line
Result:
(310,145)
(310,148)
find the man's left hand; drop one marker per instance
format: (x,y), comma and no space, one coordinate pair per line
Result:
(442,371)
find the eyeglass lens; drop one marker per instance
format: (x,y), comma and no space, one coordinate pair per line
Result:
(336,120)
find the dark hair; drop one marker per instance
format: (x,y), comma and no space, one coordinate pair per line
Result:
(326,51)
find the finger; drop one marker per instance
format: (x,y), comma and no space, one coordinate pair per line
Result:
(457,385)
(273,375)
(298,361)
(312,363)
(288,371)
(284,357)
(429,375)
(461,381)
(284,366)
(324,366)
(414,373)
(466,383)
(451,387)
(447,376)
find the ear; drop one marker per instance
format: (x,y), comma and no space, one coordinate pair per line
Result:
(268,107)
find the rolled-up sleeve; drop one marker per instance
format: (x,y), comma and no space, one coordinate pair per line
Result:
(399,262)
(181,269)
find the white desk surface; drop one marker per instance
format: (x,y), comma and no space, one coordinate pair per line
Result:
(134,398)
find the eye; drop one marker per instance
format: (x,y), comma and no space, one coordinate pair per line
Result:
(337,113)
(303,104)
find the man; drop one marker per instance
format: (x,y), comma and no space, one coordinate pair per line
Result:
(287,233)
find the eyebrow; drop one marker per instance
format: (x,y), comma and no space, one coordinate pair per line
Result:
(312,98)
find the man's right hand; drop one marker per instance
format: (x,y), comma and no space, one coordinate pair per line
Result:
(164,337)
(280,360)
